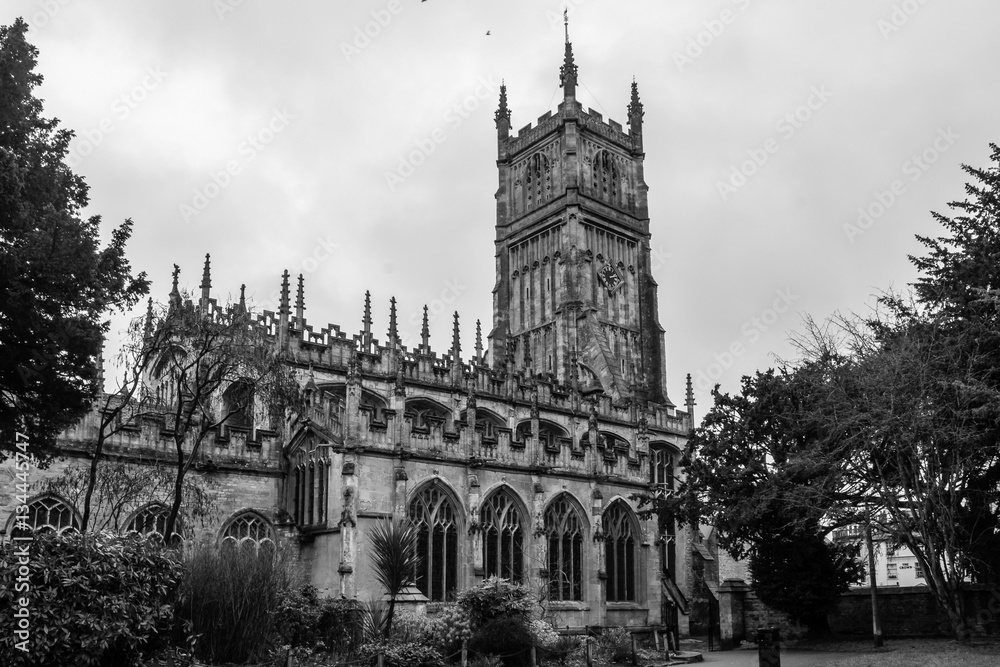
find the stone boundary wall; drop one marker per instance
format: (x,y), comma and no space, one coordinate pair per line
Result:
(906,612)
(912,611)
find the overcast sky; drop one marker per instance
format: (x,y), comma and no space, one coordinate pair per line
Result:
(354,142)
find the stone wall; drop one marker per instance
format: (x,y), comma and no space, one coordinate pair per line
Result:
(912,611)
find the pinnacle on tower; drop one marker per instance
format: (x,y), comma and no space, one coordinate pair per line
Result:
(635,112)
(425,335)
(366,323)
(206,282)
(175,294)
(502,114)
(456,343)
(479,343)
(393,331)
(147,329)
(568,71)
(283,308)
(300,302)
(243,298)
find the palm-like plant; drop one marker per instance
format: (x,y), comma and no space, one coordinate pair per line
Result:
(395,559)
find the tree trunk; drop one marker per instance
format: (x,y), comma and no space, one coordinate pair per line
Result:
(92,480)
(876,617)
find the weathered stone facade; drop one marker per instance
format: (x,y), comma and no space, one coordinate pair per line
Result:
(521,461)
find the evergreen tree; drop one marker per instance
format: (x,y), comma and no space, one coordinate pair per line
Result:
(56,283)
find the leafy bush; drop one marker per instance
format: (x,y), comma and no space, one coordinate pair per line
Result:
(486,661)
(616,644)
(543,633)
(562,647)
(229,596)
(303,619)
(508,637)
(95,599)
(449,629)
(403,654)
(496,598)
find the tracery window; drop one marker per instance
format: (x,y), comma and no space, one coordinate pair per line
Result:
(661,467)
(249,531)
(238,404)
(538,180)
(46,513)
(434,515)
(605,177)
(152,520)
(564,531)
(503,537)
(619,551)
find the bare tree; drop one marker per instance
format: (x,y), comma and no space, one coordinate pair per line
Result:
(215,365)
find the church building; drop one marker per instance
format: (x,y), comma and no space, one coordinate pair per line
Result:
(520,460)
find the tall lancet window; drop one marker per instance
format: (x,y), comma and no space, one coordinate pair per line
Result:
(605,181)
(619,545)
(564,531)
(503,537)
(434,515)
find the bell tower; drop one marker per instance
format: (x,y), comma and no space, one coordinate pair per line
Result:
(574,297)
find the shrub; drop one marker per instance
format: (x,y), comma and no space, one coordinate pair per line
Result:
(229,596)
(302,619)
(496,598)
(616,644)
(508,637)
(95,599)
(562,647)
(403,654)
(448,630)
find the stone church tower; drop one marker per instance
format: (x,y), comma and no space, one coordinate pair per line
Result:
(574,296)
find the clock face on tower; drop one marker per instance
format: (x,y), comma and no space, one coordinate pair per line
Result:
(609,276)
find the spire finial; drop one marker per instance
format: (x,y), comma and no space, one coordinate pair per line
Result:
(502,115)
(690,397)
(283,304)
(479,343)
(175,294)
(568,71)
(635,112)
(366,321)
(393,331)
(425,334)
(566,22)
(300,301)
(206,274)
(456,343)
(243,298)
(147,330)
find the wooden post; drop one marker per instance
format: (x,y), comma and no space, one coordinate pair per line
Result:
(534,660)
(289,661)
(635,658)
(586,641)
(465,653)
(381,659)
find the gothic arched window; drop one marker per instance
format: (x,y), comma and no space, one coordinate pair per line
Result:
(152,520)
(605,176)
(248,530)
(619,551)
(564,531)
(237,402)
(503,537)
(537,180)
(661,467)
(45,513)
(434,515)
